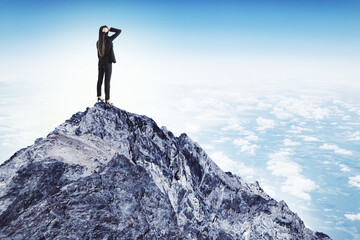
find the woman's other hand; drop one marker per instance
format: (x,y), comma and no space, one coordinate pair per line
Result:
(105,30)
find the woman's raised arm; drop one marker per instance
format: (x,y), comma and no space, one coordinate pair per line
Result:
(117,32)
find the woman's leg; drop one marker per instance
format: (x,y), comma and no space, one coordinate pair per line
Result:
(100,80)
(108,70)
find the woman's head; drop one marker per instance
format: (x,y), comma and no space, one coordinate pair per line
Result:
(104,29)
(103,32)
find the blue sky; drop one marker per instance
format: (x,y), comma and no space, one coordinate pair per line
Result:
(265,27)
(259,84)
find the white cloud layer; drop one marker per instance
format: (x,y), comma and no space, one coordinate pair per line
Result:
(355,136)
(251,137)
(296,184)
(353,217)
(336,149)
(297,129)
(289,142)
(222,140)
(233,124)
(264,123)
(344,168)
(269,189)
(281,113)
(306,108)
(245,145)
(355,181)
(309,138)
(226,164)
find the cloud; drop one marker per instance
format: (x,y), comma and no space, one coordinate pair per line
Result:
(245,108)
(296,184)
(245,145)
(355,181)
(352,231)
(344,168)
(297,129)
(264,124)
(252,137)
(269,189)
(233,124)
(353,217)
(288,142)
(222,140)
(281,113)
(207,147)
(344,127)
(192,128)
(263,106)
(299,186)
(309,138)
(348,106)
(226,164)
(355,136)
(306,108)
(336,149)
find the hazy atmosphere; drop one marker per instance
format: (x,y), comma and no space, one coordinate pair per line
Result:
(268,88)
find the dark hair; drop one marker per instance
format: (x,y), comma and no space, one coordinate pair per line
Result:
(102,40)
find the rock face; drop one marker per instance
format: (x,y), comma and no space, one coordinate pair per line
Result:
(110,174)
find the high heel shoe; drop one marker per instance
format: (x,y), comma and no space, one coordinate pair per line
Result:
(100,100)
(108,105)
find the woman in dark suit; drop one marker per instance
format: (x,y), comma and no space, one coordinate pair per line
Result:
(106,57)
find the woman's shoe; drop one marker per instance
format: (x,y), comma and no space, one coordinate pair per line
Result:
(100,100)
(108,105)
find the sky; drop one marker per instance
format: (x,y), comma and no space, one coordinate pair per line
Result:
(268,88)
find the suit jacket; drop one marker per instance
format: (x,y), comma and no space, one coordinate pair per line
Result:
(109,55)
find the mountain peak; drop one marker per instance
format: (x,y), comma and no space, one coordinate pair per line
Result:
(111,174)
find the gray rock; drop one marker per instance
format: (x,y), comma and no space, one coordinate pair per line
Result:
(111,174)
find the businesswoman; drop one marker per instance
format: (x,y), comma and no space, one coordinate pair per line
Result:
(106,57)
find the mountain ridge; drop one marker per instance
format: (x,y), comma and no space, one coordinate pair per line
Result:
(112,174)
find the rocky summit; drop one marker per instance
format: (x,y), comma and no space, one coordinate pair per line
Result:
(111,174)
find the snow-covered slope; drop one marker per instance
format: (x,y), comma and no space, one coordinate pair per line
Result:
(111,174)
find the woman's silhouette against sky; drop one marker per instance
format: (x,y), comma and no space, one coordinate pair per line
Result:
(106,57)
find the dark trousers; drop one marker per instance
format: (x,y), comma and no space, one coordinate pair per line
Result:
(106,69)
